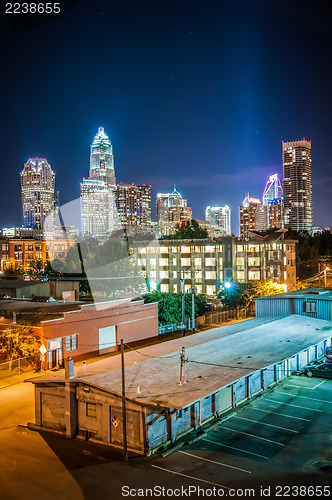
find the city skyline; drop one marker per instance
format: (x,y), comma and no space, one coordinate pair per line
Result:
(191,97)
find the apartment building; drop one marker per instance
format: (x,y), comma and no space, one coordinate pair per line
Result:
(206,265)
(23,252)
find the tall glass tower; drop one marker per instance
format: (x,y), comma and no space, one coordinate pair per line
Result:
(297,185)
(273,189)
(37,185)
(102,159)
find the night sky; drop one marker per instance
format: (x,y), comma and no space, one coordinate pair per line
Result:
(197,94)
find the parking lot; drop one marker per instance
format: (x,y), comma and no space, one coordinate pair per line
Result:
(280,440)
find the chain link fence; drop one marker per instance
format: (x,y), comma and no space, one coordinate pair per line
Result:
(18,366)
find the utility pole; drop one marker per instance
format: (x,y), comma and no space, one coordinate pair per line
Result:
(193,301)
(182,289)
(319,273)
(124,414)
(182,367)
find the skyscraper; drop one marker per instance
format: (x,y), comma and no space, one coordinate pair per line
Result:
(98,212)
(171,207)
(297,185)
(95,209)
(146,204)
(37,183)
(253,216)
(220,219)
(273,189)
(129,204)
(102,159)
(274,201)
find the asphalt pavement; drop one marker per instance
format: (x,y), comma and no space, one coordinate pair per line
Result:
(276,444)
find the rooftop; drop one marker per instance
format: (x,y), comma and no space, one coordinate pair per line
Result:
(305,293)
(216,357)
(32,313)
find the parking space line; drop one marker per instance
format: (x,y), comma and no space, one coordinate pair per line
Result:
(251,435)
(190,477)
(305,397)
(283,415)
(290,404)
(214,462)
(264,423)
(320,383)
(289,384)
(233,448)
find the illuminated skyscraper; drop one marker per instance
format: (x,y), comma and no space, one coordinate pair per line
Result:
(102,160)
(171,207)
(37,183)
(220,218)
(274,201)
(129,204)
(146,204)
(273,189)
(297,185)
(253,216)
(95,209)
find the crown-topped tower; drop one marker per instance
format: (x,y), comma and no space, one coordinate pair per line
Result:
(102,159)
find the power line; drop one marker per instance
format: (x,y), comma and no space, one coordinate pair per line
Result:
(150,356)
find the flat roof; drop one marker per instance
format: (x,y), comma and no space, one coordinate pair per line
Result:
(19,283)
(304,293)
(31,312)
(216,358)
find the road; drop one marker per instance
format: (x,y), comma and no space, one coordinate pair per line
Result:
(29,468)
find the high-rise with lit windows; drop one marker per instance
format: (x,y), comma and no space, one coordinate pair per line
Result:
(37,187)
(220,219)
(102,159)
(253,216)
(297,185)
(95,209)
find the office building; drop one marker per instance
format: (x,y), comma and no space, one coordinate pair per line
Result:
(274,201)
(272,190)
(220,219)
(146,204)
(275,213)
(171,207)
(102,160)
(253,216)
(297,185)
(96,205)
(37,186)
(129,204)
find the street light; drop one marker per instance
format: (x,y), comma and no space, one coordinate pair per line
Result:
(326,269)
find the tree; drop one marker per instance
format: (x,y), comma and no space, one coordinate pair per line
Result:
(170,305)
(13,272)
(243,294)
(19,341)
(188,230)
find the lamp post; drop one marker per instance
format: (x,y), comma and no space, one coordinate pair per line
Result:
(326,269)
